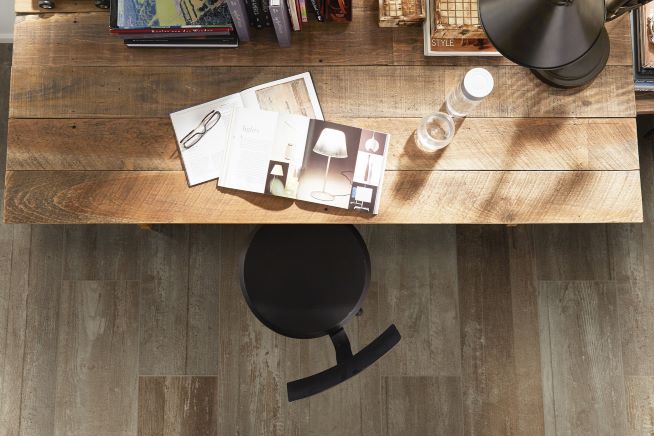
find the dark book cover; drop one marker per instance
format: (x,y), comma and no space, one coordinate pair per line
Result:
(265,8)
(250,12)
(240,19)
(258,13)
(195,41)
(281,21)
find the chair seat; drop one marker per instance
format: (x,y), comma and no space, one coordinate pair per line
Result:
(305,281)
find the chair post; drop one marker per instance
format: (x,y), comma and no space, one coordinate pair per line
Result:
(341,345)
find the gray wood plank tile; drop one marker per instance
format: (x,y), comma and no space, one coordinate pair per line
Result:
(581,342)
(101,252)
(163,303)
(177,405)
(572,252)
(640,405)
(97,358)
(14,272)
(526,334)
(636,317)
(414,269)
(5,73)
(422,406)
(202,355)
(40,367)
(252,383)
(488,354)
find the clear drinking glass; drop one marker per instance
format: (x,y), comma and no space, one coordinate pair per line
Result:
(435,132)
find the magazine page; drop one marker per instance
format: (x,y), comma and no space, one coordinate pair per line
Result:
(343,166)
(292,95)
(201,133)
(265,152)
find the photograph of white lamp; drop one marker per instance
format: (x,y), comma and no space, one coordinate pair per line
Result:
(330,143)
(276,185)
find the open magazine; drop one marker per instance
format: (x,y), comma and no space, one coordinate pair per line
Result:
(201,130)
(307,159)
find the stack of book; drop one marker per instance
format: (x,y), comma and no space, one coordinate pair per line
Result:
(173,23)
(216,23)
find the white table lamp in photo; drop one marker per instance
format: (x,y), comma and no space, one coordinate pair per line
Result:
(330,143)
(277,171)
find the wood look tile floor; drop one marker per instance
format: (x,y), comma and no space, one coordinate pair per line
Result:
(111,330)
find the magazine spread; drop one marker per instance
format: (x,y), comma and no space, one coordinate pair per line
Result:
(201,131)
(306,159)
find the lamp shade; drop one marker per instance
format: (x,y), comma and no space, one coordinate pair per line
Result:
(372,144)
(277,171)
(331,143)
(542,34)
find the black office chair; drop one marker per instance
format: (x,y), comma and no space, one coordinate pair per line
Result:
(307,281)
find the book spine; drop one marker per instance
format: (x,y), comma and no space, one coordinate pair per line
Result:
(281,22)
(239,17)
(298,14)
(315,6)
(265,9)
(250,11)
(303,11)
(258,14)
(295,22)
(172,30)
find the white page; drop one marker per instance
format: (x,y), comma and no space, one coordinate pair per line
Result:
(251,141)
(294,95)
(204,160)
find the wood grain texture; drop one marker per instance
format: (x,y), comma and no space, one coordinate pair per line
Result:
(408,197)
(37,410)
(480,144)
(372,91)
(97,358)
(489,382)
(586,394)
(416,285)
(101,253)
(202,351)
(635,306)
(163,301)
(640,405)
(644,103)
(14,273)
(84,39)
(415,405)
(177,405)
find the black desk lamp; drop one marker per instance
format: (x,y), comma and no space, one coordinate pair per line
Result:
(563,42)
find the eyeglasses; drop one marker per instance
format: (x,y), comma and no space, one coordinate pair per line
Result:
(207,123)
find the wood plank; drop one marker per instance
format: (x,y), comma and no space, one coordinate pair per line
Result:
(5,73)
(84,39)
(97,358)
(480,144)
(101,253)
(37,410)
(422,405)
(526,332)
(489,382)
(14,272)
(581,344)
(202,352)
(635,309)
(32,7)
(572,253)
(251,395)
(640,405)
(163,300)
(644,103)
(408,197)
(177,405)
(416,281)
(408,47)
(372,91)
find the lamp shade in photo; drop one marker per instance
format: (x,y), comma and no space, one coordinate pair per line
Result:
(371,145)
(331,143)
(277,171)
(563,42)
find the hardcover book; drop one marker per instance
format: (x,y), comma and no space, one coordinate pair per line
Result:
(201,130)
(158,14)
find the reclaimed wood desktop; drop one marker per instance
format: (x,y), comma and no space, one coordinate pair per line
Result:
(90,140)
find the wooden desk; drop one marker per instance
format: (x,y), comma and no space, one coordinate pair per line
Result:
(90,140)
